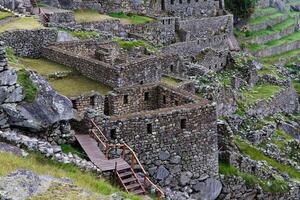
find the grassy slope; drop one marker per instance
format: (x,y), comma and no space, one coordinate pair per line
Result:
(255,154)
(259,20)
(43,166)
(27,23)
(258,92)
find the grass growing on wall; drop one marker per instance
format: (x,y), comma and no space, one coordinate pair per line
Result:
(43,166)
(273,186)
(26,23)
(255,154)
(4,14)
(132,19)
(29,89)
(259,92)
(10,55)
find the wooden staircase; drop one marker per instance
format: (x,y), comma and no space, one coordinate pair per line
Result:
(130,181)
(98,149)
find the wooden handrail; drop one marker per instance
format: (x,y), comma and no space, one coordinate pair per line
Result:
(134,158)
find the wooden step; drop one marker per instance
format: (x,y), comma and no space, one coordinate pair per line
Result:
(138,192)
(132,186)
(124,174)
(129,180)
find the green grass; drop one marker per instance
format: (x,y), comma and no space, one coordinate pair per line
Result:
(10,55)
(269,70)
(296,85)
(255,154)
(67,148)
(132,19)
(4,14)
(27,23)
(83,35)
(275,58)
(134,43)
(29,89)
(273,43)
(259,92)
(43,166)
(170,81)
(75,85)
(272,186)
(262,19)
(266,11)
(43,66)
(274,29)
(89,16)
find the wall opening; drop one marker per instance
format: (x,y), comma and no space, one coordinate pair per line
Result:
(146,96)
(149,128)
(183,123)
(163,5)
(125,99)
(113,134)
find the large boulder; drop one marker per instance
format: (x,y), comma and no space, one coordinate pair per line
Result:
(295,8)
(47,109)
(210,189)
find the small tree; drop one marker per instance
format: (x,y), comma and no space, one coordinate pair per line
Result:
(240,8)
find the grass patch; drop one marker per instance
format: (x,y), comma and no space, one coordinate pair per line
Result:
(27,23)
(76,85)
(10,55)
(88,15)
(43,166)
(273,43)
(273,186)
(43,66)
(29,89)
(67,148)
(170,81)
(133,44)
(255,154)
(269,70)
(259,92)
(261,19)
(296,85)
(275,58)
(131,18)
(83,35)
(4,14)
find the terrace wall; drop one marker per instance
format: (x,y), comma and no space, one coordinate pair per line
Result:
(28,42)
(278,49)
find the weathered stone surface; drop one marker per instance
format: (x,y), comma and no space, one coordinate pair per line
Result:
(8,77)
(164,155)
(209,189)
(162,173)
(48,108)
(185,178)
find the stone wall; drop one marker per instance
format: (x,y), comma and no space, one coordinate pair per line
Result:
(28,42)
(194,47)
(285,101)
(58,16)
(74,54)
(143,98)
(83,102)
(178,146)
(205,27)
(191,8)
(274,36)
(278,49)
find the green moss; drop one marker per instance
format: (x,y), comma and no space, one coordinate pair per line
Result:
(133,19)
(4,14)
(10,55)
(259,92)
(272,186)
(255,154)
(29,89)
(296,85)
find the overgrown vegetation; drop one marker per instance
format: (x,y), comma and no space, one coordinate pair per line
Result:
(85,34)
(241,8)
(10,55)
(273,186)
(255,154)
(43,166)
(67,148)
(29,89)
(133,44)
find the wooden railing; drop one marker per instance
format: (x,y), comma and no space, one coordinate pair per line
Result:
(134,161)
